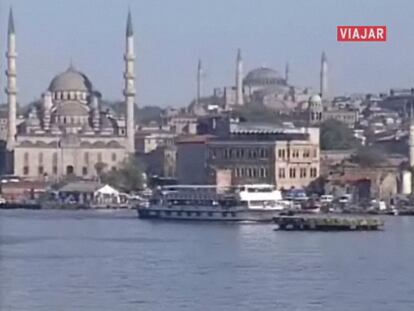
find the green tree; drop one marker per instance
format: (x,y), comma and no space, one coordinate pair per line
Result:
(336,135)
(128,177)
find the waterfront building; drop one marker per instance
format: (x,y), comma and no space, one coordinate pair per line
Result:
(69,130)
(287,158)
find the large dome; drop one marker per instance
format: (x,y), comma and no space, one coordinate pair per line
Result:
(263,76)
(70,80)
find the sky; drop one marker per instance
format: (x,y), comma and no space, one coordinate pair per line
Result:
(171,35)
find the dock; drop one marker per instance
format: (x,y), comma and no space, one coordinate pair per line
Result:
(327,223)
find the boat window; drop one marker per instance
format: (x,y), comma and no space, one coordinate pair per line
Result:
(210,214)
(224,214)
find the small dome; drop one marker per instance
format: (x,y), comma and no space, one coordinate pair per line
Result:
(70,80)
(263,76)
(315,100)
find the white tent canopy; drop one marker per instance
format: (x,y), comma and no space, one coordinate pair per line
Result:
(108,190)
(107,194)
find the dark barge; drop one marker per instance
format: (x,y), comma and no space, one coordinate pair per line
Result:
(327,223)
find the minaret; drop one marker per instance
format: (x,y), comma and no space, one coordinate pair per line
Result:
(239,78)
(129,90)
(287,73)
(11,89)
(199,77)
(411,138)
(324,76)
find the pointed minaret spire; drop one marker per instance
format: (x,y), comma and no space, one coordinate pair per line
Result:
(239,78)
(287,72)
(11,29)
(11,88)
(129,90)
(129,29)
(324,76)
(199,80)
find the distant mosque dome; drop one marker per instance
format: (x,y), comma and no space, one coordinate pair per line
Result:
(315,100)
(263,76)
(71,80)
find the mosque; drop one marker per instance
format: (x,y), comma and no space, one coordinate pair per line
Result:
(69,130)
(261,86)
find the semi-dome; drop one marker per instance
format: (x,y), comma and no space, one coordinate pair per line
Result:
(263,76)
(70,80)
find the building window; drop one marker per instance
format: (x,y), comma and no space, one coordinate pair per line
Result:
(40,170)
(226,153)
(26,170)
(250,172)
(213,153)
(306,153)
(313,172)
(295,153)
(26,157)
(41,158)
(302,173)
(282,173)
(86,157)
(99,157)
(263,172)
(113,169)
(54,170)
(114,156)
(292,172)
(315,153)
(84,171)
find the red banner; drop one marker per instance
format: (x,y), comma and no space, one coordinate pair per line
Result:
(361,33)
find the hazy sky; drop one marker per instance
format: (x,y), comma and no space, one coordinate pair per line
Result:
(172,34)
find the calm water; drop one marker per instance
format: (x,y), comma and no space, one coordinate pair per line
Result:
(55,260)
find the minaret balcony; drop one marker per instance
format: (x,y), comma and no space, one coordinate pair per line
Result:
(129,92)
(11,73)
(129,57)
(11,54)
(129,75)
(10,91)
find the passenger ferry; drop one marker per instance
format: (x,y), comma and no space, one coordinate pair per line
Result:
(259,202)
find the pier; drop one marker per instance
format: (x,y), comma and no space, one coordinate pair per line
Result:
(327,223)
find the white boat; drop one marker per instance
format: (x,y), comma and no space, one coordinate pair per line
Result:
(257,202)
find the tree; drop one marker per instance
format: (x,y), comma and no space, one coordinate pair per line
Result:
(99,168)
(128,177)
(369,157)
(336,135)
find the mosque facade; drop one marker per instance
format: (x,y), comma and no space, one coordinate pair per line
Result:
(69,131)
